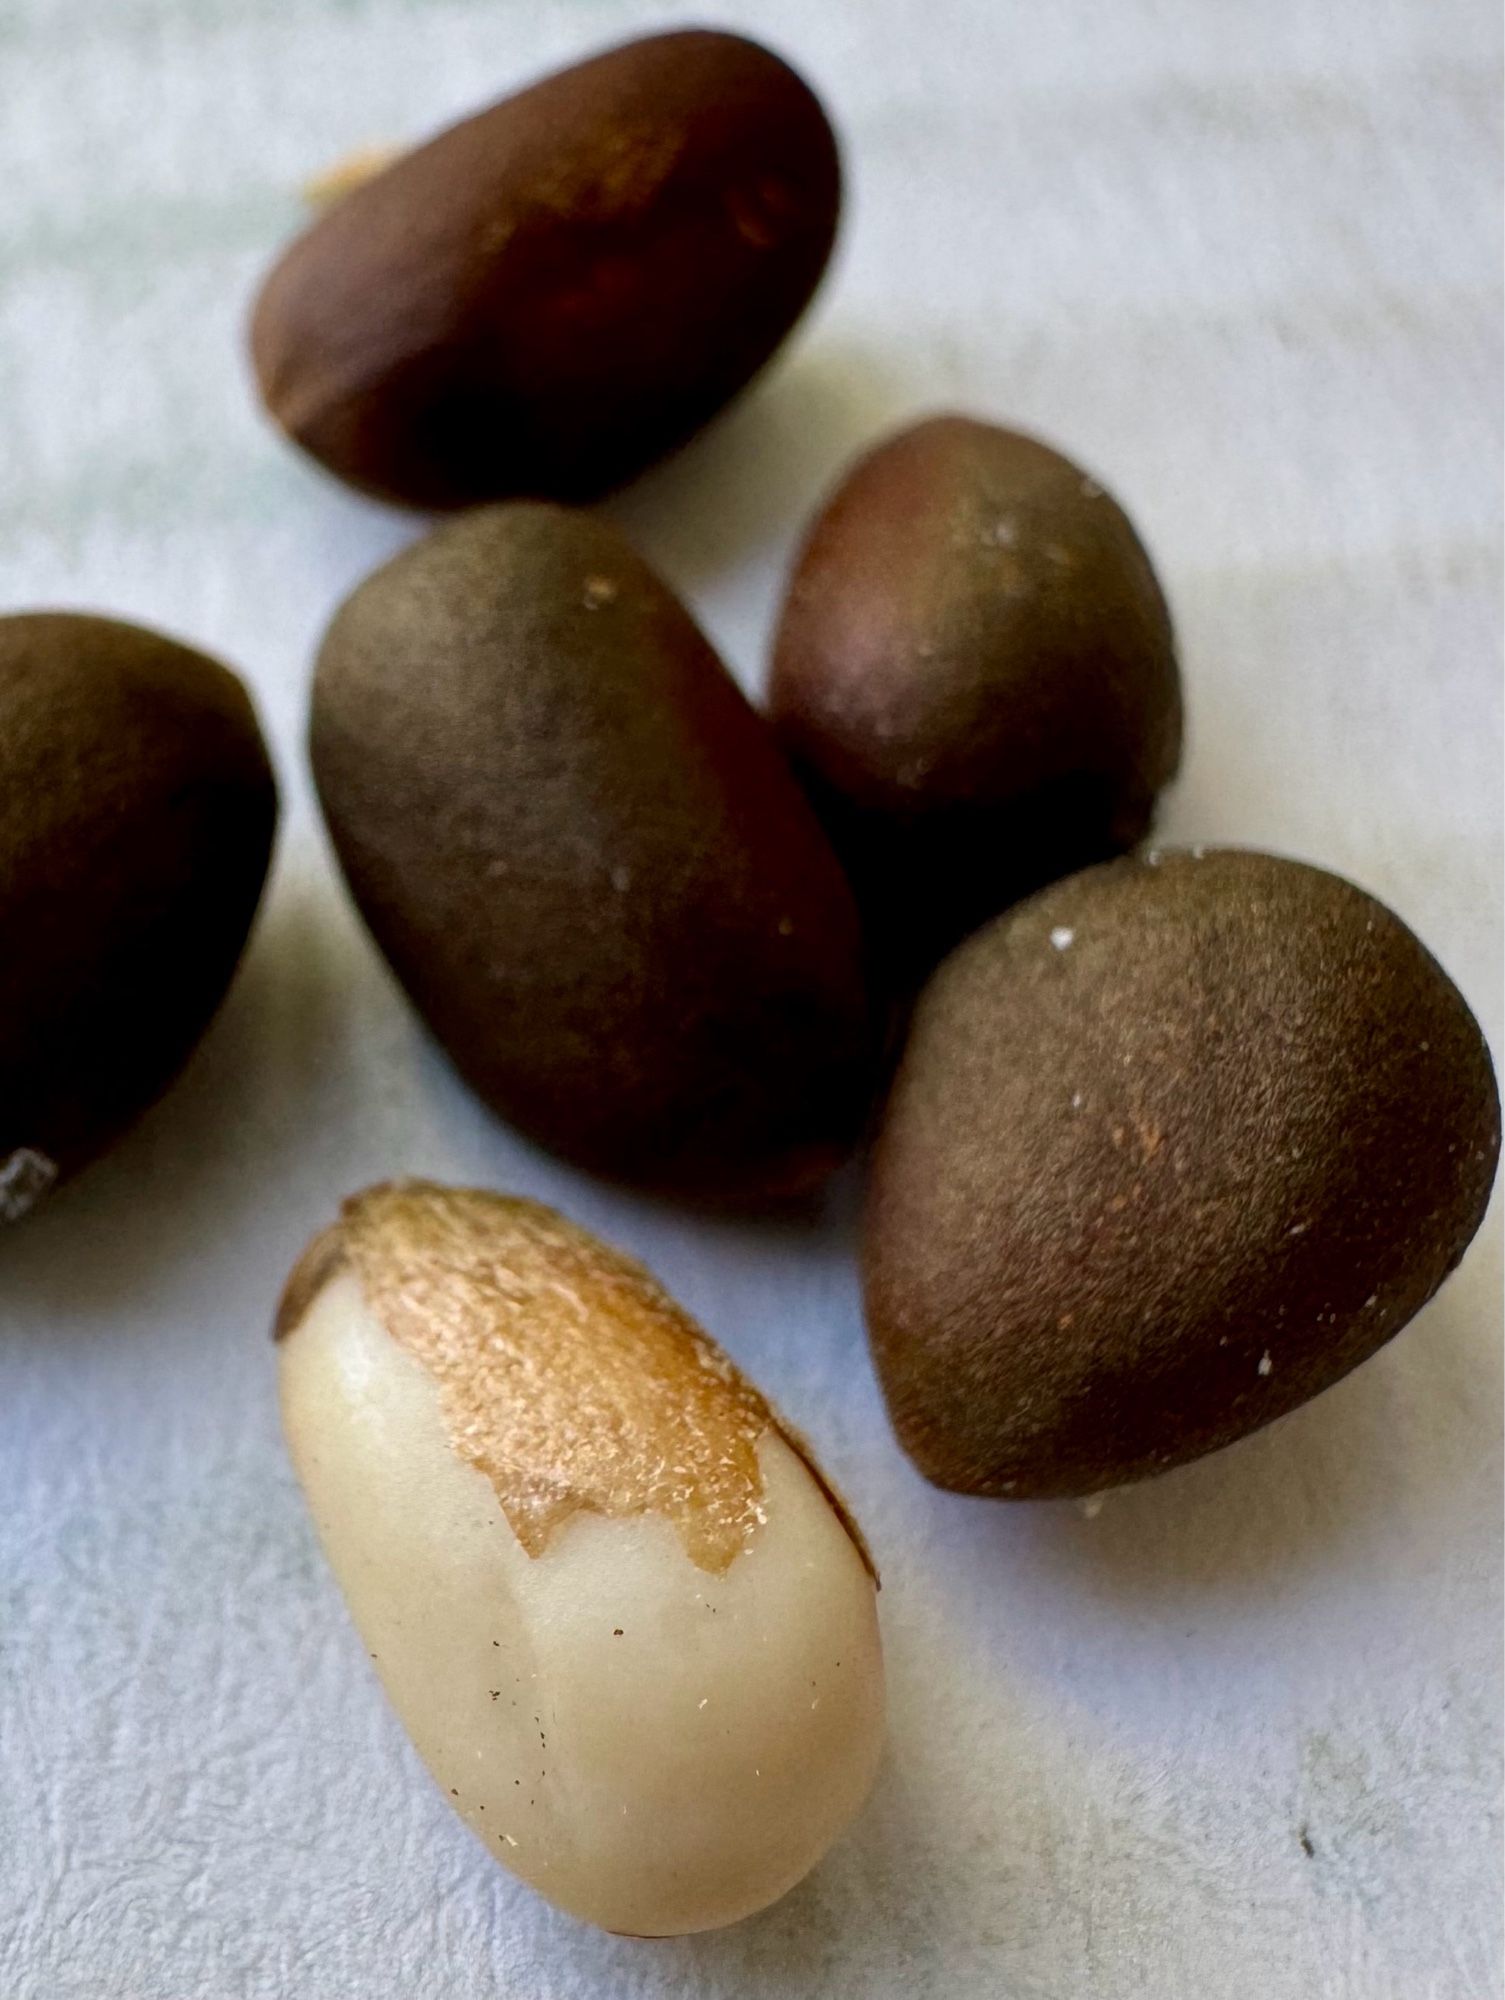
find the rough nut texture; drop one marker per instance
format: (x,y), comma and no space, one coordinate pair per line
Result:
(1172,1148)
(976,677)
(587,862)
(548,297)
(137,809)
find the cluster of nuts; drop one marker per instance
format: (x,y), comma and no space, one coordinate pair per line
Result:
(1171,1140)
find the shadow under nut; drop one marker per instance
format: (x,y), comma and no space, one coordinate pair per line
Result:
(553,294)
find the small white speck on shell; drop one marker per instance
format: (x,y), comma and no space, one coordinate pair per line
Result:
(25,1176)
(598,590)
(1265,1363)
(1372,1300)
(1062,936)
(1076,1100)
(621,879)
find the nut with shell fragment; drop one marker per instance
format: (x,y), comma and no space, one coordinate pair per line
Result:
(627,1623)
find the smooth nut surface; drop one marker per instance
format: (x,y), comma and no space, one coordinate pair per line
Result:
(137,809)
(1172,1147)
(975,674)
(629,1628)
(586,860)
(556,292)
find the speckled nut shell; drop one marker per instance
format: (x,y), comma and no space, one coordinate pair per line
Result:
(1173,1146)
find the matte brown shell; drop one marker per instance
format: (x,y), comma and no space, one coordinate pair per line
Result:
(137,809)
(587,862)
(1173,1146)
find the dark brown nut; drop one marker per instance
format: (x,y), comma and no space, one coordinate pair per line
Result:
(555,293)
(137,809)
(1173,1147)
(975,675)
(586,860)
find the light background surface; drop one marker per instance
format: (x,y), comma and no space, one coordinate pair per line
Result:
(1234,1738)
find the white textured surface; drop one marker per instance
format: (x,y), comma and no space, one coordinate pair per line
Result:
(1235,1736)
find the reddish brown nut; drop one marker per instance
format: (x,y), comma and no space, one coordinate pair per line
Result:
(587,862)
(553,294)
(975,675)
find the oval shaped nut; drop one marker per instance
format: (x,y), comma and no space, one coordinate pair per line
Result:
(975,675)
(553,294)
(1173,1146)
(626,1622)
(586,860)
(137,809)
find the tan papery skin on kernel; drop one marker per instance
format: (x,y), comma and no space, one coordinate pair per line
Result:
(345,175)
(565,1372)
